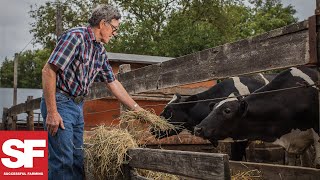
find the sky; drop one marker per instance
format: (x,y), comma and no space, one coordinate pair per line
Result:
(15,23)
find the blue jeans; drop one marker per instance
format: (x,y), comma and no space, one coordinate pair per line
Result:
(65,153)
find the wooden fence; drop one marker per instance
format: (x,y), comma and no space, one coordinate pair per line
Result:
(195,165)
(9,117)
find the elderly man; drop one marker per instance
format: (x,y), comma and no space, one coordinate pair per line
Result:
(78,59)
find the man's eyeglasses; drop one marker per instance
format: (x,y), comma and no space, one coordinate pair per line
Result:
(114,29)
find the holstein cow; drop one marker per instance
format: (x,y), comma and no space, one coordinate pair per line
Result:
(288,118)
(190,114)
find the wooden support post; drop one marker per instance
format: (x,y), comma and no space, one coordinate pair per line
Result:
(15,78)
(30,117)
(317,11)
(10,125)
(14,122)
(15,87)
(4,124)
(123,69)
(59,25)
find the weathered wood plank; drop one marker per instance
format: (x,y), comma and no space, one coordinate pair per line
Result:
(284,47)
(30,117)
(24,107)
(270,171)
(33,104)
(184,163)
(17,109)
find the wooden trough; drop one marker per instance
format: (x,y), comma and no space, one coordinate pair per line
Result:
(196,165)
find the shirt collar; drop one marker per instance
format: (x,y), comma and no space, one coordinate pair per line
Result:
(91,34)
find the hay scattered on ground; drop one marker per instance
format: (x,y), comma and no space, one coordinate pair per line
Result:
(248,175)
(106,147)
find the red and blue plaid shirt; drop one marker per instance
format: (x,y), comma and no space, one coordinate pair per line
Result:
(81,61)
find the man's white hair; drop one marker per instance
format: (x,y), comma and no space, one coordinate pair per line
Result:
(106,12)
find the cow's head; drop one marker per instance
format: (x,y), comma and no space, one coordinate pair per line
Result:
(222,122)
(176,112)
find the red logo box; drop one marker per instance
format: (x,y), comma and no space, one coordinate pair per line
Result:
(24,155)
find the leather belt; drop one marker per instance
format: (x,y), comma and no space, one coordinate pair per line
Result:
(77,99)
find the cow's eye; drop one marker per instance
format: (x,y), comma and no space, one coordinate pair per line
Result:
(227,110)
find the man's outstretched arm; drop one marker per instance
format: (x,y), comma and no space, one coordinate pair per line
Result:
(122,95)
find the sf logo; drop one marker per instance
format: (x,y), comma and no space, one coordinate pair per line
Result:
(23,158)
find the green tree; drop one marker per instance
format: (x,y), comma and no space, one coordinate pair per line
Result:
(203,24)
(267,15)
(74,13)
(6,72)
(168,27)
(30,64)
(199,25)
(142,26)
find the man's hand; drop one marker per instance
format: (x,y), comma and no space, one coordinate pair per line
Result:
(136,107)
(53,122)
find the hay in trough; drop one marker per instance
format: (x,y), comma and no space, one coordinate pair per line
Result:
(248,175)
(106,147)
(156,175)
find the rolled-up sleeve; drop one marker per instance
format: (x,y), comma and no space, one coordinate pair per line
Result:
(65,51)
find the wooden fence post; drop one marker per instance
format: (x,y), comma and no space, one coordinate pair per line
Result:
(123,69)
(30,117)
(15,78)
(14,122)
(4,124)
(15,87)
(10,122)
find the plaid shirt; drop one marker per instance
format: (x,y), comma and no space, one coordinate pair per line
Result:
(81,61)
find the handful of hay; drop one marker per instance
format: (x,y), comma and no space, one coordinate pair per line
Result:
(107,146)
(138,122)
(132,118)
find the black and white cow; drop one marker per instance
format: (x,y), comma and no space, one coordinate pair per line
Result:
(190,114)
(287,118)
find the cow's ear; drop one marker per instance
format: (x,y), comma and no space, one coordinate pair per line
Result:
(243,108)
(211,105)
(178,97)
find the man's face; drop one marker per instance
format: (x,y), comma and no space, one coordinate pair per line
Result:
(108,30)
